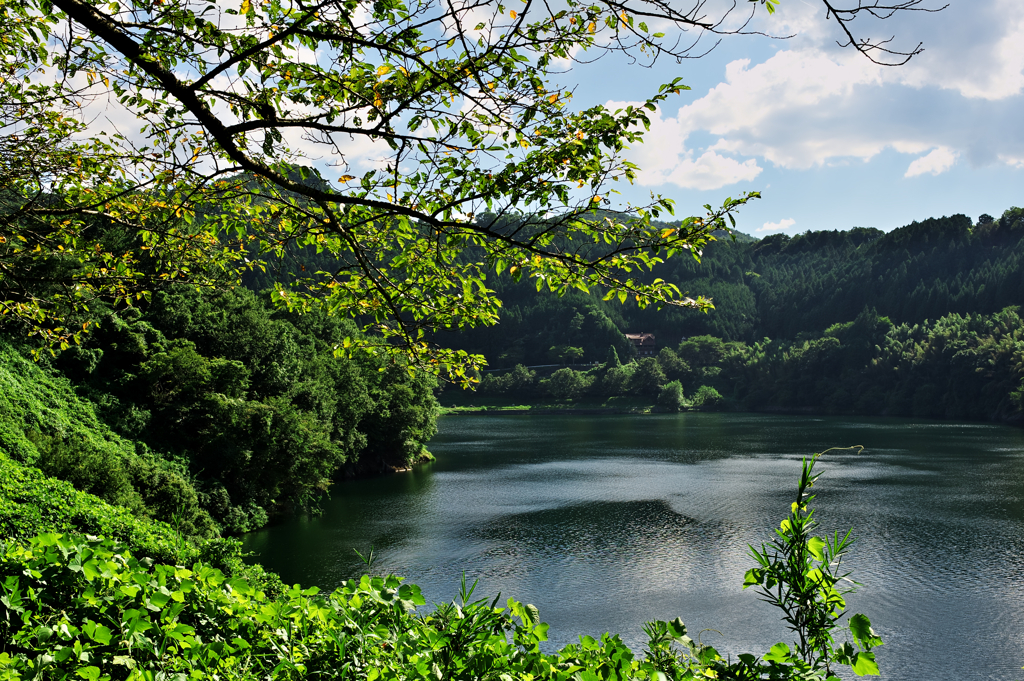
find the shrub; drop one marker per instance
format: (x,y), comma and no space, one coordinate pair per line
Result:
(43,422)
(707,398)
(671,395)
(647,377)
(568,384)
(616,380)
(32,503)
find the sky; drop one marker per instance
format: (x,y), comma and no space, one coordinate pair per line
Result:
(831,140)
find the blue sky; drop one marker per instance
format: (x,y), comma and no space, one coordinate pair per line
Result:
(831,140)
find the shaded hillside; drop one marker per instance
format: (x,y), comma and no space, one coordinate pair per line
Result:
(779,287)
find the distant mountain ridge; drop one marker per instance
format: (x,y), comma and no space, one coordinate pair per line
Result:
(780,286)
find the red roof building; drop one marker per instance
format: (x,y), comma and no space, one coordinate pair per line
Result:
(644,343)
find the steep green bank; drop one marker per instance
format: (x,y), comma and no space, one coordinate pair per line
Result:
(32,503)
(214,408)
(44,423)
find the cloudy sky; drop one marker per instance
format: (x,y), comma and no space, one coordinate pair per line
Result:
(831,140)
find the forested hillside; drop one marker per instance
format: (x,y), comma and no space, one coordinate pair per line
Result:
(212,408)
(920,321)
(779,287)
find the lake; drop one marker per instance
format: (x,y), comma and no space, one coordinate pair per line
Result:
(604,522)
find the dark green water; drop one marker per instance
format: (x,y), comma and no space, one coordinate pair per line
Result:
(604,522)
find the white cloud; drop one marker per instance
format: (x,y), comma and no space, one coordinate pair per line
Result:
(777,226)
(975,48)
(710,171)
(665,158)
(937,162)
(787,109)
(813,105)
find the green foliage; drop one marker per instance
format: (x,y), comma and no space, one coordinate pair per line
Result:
(706,398)
(32,503)
(789,289)
(567,384)
(673,366)
(801,575)
(958,366)
(670,396)
(215,408)
(251,401)
(519,382)
(75,607)
(617,379)
(647,377)
(391,241)
(43,422)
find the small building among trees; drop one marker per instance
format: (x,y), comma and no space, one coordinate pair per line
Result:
(644,343)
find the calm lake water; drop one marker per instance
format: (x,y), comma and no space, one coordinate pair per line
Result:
(605,522)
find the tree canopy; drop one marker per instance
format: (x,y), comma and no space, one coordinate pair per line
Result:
(218,116)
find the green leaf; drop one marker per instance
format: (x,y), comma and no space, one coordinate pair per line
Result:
(815,546)
(860,627)
(779,653)
(159,599)
(89,673)
(864,664)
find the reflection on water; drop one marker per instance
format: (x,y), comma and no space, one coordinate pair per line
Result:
(605,522)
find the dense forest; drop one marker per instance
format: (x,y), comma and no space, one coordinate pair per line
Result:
(778,287)
(214,408)
(920,321)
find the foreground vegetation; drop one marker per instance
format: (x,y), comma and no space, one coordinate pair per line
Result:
(79,607)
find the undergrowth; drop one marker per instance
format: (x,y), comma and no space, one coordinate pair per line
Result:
(87,607)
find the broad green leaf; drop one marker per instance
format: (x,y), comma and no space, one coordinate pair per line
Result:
(779,653)
(815,546)
(864,664)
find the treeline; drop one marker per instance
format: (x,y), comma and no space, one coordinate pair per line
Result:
(957,367)
(660,379)
(967,366)
(215,409)
(779,287)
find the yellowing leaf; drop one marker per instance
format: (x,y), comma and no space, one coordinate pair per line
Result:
(383,69)
(666,233)
(513,14)
(346,178)
(553,98)
(592,27)
(246,6)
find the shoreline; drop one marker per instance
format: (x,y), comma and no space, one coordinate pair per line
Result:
(647,410)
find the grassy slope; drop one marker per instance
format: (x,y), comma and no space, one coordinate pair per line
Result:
(43,423)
